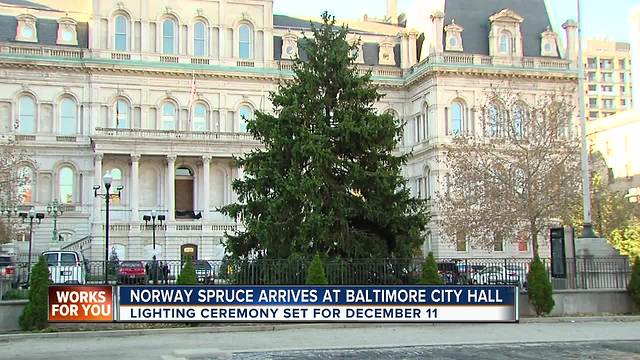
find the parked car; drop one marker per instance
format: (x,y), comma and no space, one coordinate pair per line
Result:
(65,267)
(499,274)
(204,272)
(131,272)
(9,270)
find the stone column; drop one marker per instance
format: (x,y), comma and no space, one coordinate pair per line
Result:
(135,188)
(97,180)
(206,186)
(171,183)
(413,54)
(437,20)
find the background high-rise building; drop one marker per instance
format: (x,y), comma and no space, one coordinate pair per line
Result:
(608,77)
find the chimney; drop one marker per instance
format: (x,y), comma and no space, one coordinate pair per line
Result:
(437,21)
(392,11)
(570,28)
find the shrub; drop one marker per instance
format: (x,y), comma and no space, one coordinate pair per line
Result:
(430,274)
(188,274)
(316,274)
(634,284)
(34,315)
(16,294)
(539,290)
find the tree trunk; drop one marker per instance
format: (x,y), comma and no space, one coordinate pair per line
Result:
(534,238)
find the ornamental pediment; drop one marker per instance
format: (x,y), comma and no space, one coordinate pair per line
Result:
(506,15)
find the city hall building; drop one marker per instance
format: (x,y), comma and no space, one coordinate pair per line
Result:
(155,93)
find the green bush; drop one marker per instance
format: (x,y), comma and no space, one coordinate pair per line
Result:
(188,274)
(34,316)
(16,294)
(634,284)
(430,274)
(316,274)
(539,289)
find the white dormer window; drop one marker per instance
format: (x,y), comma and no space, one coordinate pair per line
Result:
(357,52)
(67,34)
(505,37)
(548,43)
(453,37)
(289,46)
(386,55)
(26,30)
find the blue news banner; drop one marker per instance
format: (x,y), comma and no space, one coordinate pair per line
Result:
(317,304)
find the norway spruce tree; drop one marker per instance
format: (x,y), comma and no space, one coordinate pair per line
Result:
(539,290)
(35,314)
(316,275)
(430,274)
(326,180)
(188,274)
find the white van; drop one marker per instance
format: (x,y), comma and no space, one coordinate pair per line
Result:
(65,267)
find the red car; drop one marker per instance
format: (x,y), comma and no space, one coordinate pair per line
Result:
(131,272)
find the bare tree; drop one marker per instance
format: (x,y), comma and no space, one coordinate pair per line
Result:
(12,179)
(513,176)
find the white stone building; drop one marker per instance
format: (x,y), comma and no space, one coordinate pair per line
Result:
(106,85)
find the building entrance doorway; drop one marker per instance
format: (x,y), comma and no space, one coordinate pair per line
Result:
(188,251)
(184,193)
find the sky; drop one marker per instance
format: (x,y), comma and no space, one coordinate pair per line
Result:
(601,18)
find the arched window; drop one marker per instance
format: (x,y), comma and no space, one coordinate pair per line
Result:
(68,124)
(116,175)
(457,118)
(425,117)
(199,118)
(518,121)
(427,179)
(245,114)
(505,42)
(493,114)
(169,43)
(245,42)
(199,39)
(65,178)
(169,115)
(27,115)
(25,190)
(121,40)
(122,114)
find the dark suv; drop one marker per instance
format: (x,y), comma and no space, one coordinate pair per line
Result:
(204,272)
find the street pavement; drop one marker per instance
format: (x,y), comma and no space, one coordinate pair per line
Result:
(579,340)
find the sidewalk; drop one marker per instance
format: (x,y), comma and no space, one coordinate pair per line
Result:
(107,330)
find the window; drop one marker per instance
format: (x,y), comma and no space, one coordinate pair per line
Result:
(623,102)
(169,116)
(169,45)
(121,33)
(457,118)
(623,77)
(27,117)
(622,89)
(199,39)
(608,103)
(606,64)
(505,43)
(607,77)
(592,63)
(199,118)
(66,185)
(493,114)
(68,116)
(522,245)
(498,243)
(593,102)
(245,42)
(25,190)
(607,88)
(453,42)
(518,121)
(122,114)
(593,114)
(245,114)
(417,125)
(461,242)
(591,76)
(621,64)
(593,88)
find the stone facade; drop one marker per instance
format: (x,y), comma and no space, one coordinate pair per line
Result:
(155,92)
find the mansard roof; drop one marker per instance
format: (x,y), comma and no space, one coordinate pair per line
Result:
(25,4)
(474,16)
(47,31)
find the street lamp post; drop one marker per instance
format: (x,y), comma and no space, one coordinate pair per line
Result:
(32,214)
(107,180)
(55,209)
(153,218)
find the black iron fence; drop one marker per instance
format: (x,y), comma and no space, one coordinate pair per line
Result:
(581,272)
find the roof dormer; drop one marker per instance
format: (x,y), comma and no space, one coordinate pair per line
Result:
(548,43)
(386,55)
(289,46)
(26,29)
(505,37)
(453,38)
(67,34)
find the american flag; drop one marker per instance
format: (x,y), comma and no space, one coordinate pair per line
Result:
(193,94)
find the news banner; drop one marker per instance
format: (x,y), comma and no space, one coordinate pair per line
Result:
(83,303)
